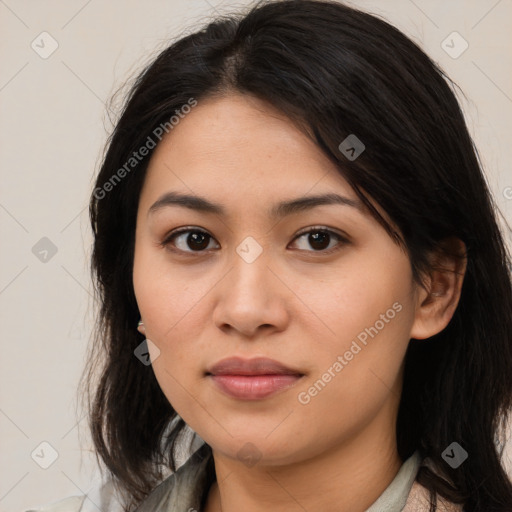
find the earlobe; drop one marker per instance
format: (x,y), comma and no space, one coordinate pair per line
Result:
(438,300)
(141,328)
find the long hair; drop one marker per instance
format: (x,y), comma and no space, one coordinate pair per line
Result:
(335,71)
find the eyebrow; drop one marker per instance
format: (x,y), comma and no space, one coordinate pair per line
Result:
(279,210)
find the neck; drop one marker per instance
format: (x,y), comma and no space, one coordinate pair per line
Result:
(350,476)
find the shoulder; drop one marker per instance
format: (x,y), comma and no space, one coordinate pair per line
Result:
(419,500)
(184,489)
(72,504)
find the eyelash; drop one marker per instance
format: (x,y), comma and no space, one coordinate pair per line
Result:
(315,229)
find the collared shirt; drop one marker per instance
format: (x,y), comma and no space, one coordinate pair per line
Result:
(187,490)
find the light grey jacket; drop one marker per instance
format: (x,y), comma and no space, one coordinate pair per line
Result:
(185,491)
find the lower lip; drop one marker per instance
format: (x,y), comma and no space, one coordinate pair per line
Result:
(253,387)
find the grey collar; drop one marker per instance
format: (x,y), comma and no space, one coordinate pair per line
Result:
(396,493)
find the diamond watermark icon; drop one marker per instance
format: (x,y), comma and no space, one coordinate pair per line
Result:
(44,45)
(249,454)
(249,250)
(44,455)
(454,455)
(44,250)
(454,45)
(352,147)
(147,352)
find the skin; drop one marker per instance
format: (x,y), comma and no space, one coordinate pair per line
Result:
(294,303)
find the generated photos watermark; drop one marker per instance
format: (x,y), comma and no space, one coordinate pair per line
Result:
(361,341)
(143,151)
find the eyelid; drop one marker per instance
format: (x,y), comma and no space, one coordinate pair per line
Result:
(343,239)
(326,229)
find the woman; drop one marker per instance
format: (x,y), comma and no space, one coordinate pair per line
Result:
(299,262)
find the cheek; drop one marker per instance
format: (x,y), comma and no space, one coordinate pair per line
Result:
(367,316)
(353,381)
(166,300)
(365,293)
(167,307)
(174,306)
(165,295)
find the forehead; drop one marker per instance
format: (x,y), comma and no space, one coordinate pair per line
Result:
(242,147)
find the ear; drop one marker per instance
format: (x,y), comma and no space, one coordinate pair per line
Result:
(437,301)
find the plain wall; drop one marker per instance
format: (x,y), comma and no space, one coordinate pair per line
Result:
(53,125)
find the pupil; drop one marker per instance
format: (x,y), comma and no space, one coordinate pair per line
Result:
(199,240)
(319,238)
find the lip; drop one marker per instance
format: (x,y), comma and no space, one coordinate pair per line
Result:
(252,379)
(255,366)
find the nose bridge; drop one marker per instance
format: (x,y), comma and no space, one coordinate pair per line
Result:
(250,270)
(250,295)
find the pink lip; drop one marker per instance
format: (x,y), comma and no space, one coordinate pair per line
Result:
(255,366)
(253,387)
(252,379)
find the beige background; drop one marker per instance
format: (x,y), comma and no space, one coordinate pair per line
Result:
(53,124)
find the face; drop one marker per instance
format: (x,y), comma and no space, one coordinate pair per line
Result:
(320,288)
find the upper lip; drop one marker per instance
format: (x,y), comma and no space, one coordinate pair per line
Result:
(255,366)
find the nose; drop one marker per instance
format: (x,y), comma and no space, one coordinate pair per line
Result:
(251,298)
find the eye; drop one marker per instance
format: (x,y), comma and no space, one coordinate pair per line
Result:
(320,239)
(187,240)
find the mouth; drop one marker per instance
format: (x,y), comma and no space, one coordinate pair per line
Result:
(252,379)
